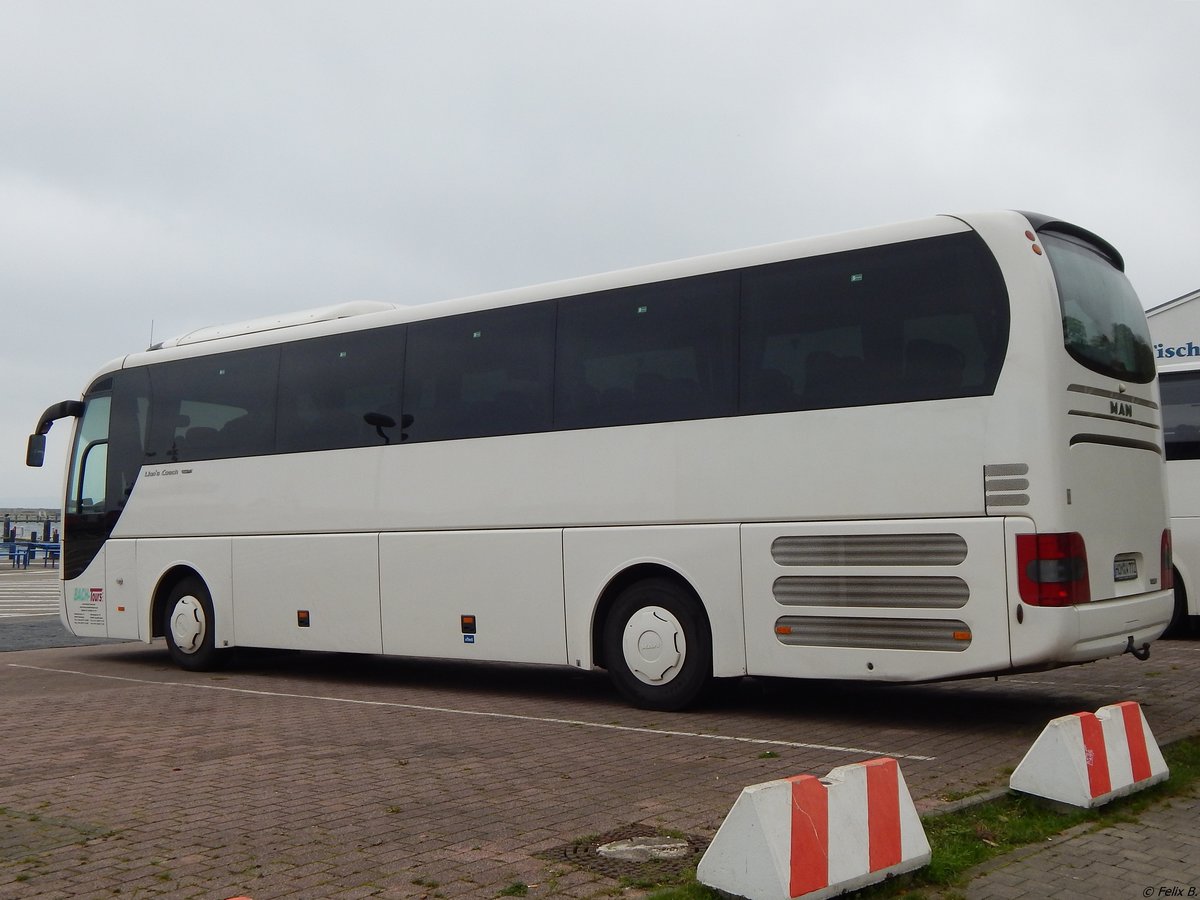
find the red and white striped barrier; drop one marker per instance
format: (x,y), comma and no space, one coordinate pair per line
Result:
(817,837)
(1089,759)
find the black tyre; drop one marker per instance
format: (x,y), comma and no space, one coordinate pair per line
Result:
(658,646)
(1181,622)
(189,626)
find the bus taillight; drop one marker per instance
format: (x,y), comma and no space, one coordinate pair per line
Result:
(1052,569)
(1167,572)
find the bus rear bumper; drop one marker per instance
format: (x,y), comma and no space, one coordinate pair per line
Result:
(1091,631)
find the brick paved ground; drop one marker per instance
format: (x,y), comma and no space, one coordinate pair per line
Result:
(315,775)
(1156,856)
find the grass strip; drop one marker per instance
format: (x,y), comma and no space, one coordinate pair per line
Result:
(973,835)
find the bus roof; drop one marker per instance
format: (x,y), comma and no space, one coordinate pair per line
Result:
(361,315)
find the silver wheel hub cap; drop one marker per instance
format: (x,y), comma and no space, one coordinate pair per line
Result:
(187,624)
(653,645)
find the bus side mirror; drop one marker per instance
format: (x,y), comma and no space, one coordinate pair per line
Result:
(35,453)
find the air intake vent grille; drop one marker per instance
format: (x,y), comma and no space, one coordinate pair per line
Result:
(1005,485)
(900,592)
(870,550)
(874,634)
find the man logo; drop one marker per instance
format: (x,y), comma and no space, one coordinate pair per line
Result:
(1117,408)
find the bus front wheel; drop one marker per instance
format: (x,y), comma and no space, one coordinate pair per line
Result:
(657,645)
(189,626)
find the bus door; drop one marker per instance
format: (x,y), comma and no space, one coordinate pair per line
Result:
(99,577)
(85,510)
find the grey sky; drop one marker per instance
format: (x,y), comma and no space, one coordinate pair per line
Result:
(192,163)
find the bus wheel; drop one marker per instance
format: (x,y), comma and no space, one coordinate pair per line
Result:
(1181,622)
(189,626)
(657,645)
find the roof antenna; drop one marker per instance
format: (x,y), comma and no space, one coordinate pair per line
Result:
(151,344)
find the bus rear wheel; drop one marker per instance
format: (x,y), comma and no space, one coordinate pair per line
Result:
(657,645)
(189,626)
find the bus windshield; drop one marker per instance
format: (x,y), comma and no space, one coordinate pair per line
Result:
(1104,326)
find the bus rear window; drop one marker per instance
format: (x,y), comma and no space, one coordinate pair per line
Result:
(1104,325)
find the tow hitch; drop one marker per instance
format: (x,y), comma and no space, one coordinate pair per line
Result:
(1142,653)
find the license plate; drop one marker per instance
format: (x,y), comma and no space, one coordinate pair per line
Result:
(1124,569)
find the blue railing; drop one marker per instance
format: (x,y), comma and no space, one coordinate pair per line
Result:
(20,553)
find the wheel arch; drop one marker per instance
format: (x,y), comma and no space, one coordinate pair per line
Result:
(166,583)
(1183,580)
(1182,618)
(631,575)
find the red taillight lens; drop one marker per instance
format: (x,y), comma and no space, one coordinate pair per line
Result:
(1167,572)
(1052,569)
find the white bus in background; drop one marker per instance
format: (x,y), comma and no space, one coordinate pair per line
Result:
(865,456)
(1175,330)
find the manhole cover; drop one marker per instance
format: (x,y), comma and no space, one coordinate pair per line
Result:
(640,852)
(644,849)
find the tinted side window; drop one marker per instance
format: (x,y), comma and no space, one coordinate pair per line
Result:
(480,374)
(919,320)
(212,407)
(130,419)
(1181,414)
(650,353)
(340,391)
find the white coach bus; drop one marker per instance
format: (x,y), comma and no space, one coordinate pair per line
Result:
(1175,329)
(923,451)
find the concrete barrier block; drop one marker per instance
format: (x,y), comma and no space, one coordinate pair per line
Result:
(817,837)
(1087,759)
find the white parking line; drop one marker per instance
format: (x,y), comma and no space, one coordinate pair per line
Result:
(489,715)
